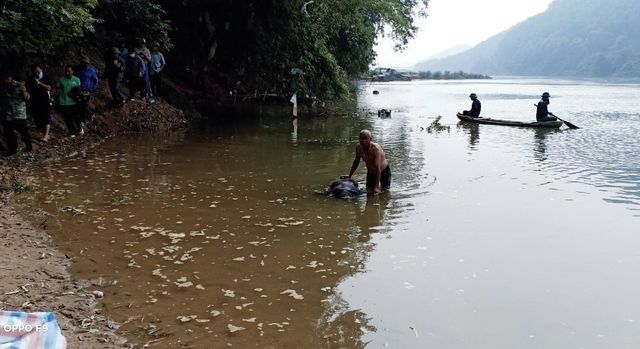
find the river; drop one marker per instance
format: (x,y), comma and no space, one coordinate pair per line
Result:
(491,237)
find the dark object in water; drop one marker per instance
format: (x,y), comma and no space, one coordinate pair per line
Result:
(344,188)
(481,120)
(383,113)
(376,92)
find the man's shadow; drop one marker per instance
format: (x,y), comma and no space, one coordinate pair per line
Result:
(370,214)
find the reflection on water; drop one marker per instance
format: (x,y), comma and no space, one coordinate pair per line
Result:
(473,133)
(213,237)
(540,148)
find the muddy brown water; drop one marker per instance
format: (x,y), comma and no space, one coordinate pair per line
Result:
(491,237)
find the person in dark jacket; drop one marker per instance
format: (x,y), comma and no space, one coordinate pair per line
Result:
(114,66)
(542,114)
(475,107)
(345,188)
(39,86)
(134,72)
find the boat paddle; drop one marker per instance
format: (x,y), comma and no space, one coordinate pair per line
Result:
(569,125)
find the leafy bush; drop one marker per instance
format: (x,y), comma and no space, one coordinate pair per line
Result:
(33,29)
(126,20)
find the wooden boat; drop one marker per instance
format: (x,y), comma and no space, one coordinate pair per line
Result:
(487,121)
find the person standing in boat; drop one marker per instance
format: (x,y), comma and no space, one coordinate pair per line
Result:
(542,114)
(378,171)
(475,107)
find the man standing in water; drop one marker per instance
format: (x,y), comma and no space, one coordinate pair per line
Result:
(378,171)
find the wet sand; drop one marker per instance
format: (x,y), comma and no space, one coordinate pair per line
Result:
(35,273)
(35,277)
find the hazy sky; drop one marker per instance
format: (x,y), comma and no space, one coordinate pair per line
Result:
(455,22)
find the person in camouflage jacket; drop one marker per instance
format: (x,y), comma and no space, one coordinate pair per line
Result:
(13,113)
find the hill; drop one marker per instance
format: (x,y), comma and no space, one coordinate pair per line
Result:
(454,50)
(598,38)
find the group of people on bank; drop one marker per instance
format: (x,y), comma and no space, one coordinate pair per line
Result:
(542,112)
(137,65)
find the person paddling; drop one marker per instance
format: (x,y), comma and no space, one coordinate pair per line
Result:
(476,106)
(542,113)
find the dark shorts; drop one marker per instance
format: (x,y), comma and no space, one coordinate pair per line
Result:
(41,116)
(385,179)
(546,119)
(468,113)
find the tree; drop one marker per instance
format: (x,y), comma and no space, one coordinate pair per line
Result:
(126,20)
(256,44)
(30,30)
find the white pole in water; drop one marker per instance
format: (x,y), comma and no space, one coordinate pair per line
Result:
(294,100)
(294,133)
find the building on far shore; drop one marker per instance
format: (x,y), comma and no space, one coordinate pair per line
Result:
(388,74)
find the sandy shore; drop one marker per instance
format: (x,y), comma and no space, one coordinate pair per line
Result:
(35,277)
(35,274)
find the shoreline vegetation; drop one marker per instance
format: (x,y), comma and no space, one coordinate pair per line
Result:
(390,74)
(278,47)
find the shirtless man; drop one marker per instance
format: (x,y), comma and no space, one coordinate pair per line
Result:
(378,171)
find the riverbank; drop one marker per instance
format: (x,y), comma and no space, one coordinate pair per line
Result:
(35,273)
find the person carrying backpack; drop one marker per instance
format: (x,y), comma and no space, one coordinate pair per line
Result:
(114,65)
(89,81)
(134,70)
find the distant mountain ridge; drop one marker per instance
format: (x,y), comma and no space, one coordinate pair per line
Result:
(447,53)
(597,38)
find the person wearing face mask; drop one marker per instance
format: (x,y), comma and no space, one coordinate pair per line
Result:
(39,87)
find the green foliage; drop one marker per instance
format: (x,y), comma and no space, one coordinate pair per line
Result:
(278,46)
(263,42)
(127,20)
(19,188)
(31,30)
(42,28)
(436,126)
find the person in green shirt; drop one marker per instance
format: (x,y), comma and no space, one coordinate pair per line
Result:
(68,84)
(13,112)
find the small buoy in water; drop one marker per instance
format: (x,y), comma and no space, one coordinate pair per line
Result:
(383,113)
(375,92)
